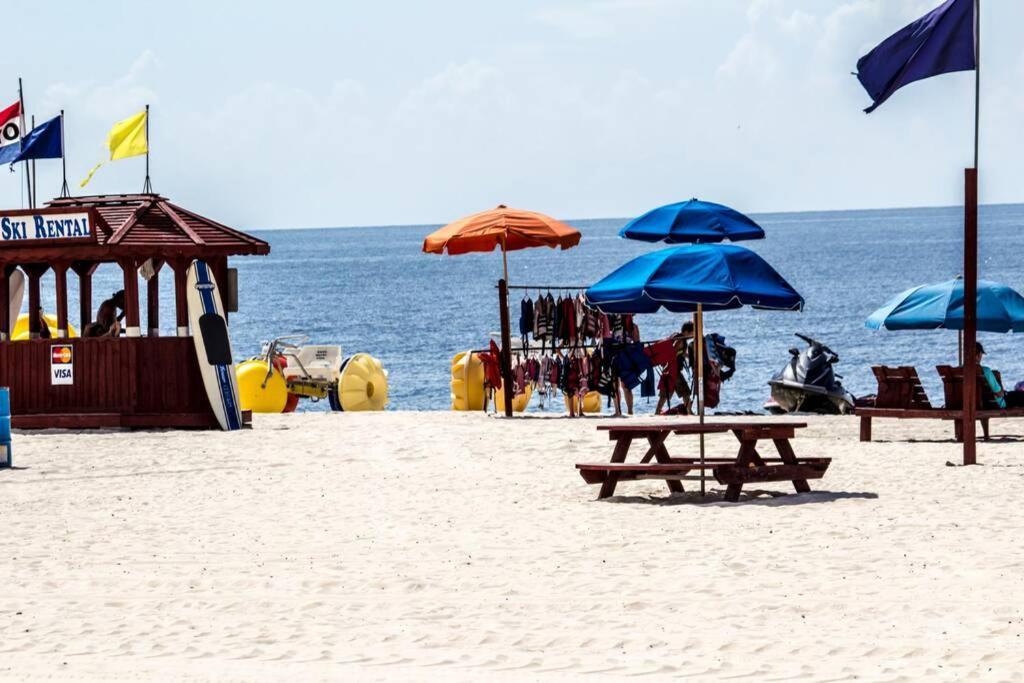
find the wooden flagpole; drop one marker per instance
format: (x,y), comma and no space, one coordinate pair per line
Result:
(970,386)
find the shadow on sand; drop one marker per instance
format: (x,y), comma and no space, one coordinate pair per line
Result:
(1005,438)
(714,497)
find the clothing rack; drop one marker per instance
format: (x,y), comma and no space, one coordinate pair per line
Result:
(554,287)
(574,347)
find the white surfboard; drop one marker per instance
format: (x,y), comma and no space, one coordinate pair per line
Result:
(213,346)
(16,290)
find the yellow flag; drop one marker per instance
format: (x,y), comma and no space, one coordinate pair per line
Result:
(128,138)
(89,177)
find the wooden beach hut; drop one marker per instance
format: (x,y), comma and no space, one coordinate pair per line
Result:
(139,379)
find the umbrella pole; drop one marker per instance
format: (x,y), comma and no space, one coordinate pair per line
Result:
(504,259)
(699,333)
(506,336)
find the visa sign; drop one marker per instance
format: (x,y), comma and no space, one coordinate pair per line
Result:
(62,365)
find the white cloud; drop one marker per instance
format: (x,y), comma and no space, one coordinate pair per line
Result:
(471,85)
(751,57)
(600,18)
(108,101)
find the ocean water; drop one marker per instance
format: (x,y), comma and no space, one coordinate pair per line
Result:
(373,290)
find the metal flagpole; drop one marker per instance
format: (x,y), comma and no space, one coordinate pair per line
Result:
(28,179)
(35,185)
(970,384)
(147,187)
(64,192)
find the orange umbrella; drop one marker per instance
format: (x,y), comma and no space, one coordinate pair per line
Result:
(510,229)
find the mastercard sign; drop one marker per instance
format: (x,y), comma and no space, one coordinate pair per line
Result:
(62,365)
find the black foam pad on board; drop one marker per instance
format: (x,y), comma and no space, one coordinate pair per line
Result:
(215,339)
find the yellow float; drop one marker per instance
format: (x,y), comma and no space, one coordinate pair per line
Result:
(253,395)
(467,383)
(591,402)
(20,331)
(519,401)
(363,384)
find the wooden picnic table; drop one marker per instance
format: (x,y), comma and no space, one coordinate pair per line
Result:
(746,467)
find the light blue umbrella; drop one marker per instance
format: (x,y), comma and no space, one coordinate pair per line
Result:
(941,306)
(692,221)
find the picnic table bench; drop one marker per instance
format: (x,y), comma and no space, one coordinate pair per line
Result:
(746,467)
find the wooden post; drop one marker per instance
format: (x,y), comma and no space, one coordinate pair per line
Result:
(180,267)
(60,277)
(970,387)
(153,300)
(34,272)
(506,346)
(84,271)
(131,298)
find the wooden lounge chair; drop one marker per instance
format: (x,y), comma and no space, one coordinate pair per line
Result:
(900,387)
(901,397)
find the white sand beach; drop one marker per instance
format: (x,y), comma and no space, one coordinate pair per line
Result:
(455,546)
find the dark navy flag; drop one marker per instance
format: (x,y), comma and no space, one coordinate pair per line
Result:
(46,141)
(940,42)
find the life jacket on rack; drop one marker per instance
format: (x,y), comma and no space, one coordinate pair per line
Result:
(722,353)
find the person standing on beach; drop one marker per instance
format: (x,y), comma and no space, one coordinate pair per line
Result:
(624,333)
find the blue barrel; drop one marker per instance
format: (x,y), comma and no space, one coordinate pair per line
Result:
(6,459)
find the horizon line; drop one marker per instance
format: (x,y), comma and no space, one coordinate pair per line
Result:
(624,218)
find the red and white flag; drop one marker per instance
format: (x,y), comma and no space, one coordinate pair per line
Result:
(10,124)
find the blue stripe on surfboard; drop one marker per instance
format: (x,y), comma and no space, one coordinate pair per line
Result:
(223,380)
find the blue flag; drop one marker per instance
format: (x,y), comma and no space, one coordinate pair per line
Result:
(45,141)
(940,42)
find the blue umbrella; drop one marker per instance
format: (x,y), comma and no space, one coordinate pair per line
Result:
(692,221)
(941,306)
(685,279)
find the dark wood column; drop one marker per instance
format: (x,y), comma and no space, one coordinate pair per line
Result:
(60,278)
(180,267)
(34,272)
(85,271)
(5,301)
(132,326)
(153,300)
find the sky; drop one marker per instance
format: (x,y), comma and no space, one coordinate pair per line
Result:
(319,114)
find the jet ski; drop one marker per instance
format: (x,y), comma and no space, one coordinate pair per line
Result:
(808,383)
